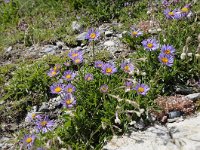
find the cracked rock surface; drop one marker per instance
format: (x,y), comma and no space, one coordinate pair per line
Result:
(184,135)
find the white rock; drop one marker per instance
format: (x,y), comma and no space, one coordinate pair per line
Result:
(81,36)
(76,26)
(185,136)
(194,96)
(109,43)
(108,33)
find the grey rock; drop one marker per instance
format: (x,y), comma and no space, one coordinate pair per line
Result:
(49,49)
(108,33)
(183,90)
(77,27)
(81,37)
(9,49)
(194,96)
(60,44)
(185,136)
(44,107)
(109,43)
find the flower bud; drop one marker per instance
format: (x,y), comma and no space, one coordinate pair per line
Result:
(185,49)
(197,56)
(183,56)
(188,40)
(189,54)
(198,38)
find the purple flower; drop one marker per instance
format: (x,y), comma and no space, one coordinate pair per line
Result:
(166,59)
(78,59)
(108,69)
(92,35)
(57,67)
(128,85)
(185,10)
(69,88)
(75,53)
(28,140)
(69,101)
(150,44)
(127,67)
(167,49)
(67,64)
(166,3)
(44,125)
(136,33)
(172,14)
(104,88)
(6,1)
(56,88)
(69,75)
(142,89)
(89,77)
(33,116)
(52,73)
(98,64)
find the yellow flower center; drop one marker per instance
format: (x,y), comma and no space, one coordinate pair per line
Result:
(149,45)
(108,70)
(185,9)
(69,101)
(74,54)
(134,33)
(58,89)
(171,13)
(29,140)
(92,35)
(53,73)
(43,123)
(164,60)
(126,68)
(33,116)
(56,68)
(104,89)
(69,90)
(89,78)
(167,51)
(68,76)
(77,61)
(99,65)
(140,89)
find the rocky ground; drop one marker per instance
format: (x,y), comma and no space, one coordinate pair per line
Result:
(180,134)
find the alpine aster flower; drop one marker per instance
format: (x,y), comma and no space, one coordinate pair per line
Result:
(75,53)
(28,140)
(150,44)
(98,64)
(57,88)
(166,59)
(142,89)
(88,77)
(69,88)
(32,117)
(67,64)
(77,60)
(128,85)
(69,101)
(136,33)
(108,69)
(69,75)
(185,10)
(104,88)
(57,67)
(127,67)
(172,14)
(52,73)
(44,125)
(167,49)
(92,35)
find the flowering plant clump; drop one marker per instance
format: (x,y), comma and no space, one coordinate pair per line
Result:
(100,97)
